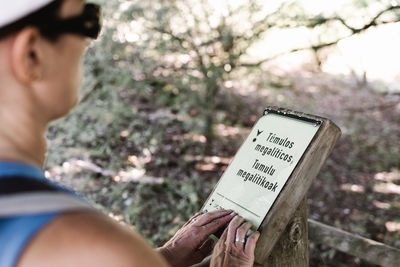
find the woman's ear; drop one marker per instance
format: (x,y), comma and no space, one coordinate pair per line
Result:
(26,56)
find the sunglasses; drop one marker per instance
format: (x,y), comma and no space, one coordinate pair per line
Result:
(87,24)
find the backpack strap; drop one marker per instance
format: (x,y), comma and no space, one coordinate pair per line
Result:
(25,196)
(16,185)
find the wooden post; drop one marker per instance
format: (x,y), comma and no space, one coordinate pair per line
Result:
(284,236)
(292,249)
(278,222)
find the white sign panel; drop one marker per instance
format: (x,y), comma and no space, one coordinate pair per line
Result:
(261,167)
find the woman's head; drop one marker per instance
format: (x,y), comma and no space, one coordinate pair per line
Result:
(41,54)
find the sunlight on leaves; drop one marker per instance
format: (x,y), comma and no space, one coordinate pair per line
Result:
(393,226)
(353,188)
(387,188)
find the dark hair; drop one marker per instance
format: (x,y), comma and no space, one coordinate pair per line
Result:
(39,19)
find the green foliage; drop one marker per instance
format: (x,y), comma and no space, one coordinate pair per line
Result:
(188,49)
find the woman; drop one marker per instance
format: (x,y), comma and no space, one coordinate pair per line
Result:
(43,224)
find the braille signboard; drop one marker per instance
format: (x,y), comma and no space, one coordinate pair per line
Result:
(268,169)
(262,166)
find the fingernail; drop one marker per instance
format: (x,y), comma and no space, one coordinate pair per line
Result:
(232,213)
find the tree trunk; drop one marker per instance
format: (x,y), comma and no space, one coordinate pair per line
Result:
(209,106)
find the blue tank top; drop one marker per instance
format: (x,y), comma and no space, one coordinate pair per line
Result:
(19,228)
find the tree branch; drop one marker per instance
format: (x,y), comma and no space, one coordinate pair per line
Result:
(173,36)
(373,22)
(94,88)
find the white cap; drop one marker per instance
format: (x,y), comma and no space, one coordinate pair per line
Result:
(13,10)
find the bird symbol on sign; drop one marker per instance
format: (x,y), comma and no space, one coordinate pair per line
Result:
(258,133)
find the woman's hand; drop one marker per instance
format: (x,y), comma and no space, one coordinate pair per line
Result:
(190,244)
(233,248)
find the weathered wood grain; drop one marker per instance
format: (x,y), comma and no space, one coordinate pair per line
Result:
(292,248)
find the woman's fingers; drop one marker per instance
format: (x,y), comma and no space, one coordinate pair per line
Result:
(216,224)
(206,248)
(233,249)
(224,235)
(251,243)
(233,237)
(241,233)
(210,216)
(220,247)
(202,225)
(233,225)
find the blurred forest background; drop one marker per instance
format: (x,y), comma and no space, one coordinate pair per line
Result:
(172,88)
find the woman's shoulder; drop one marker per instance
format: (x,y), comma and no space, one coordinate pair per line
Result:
(88,238)
(45,224)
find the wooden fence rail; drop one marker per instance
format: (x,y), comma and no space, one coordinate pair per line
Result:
(363,248)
